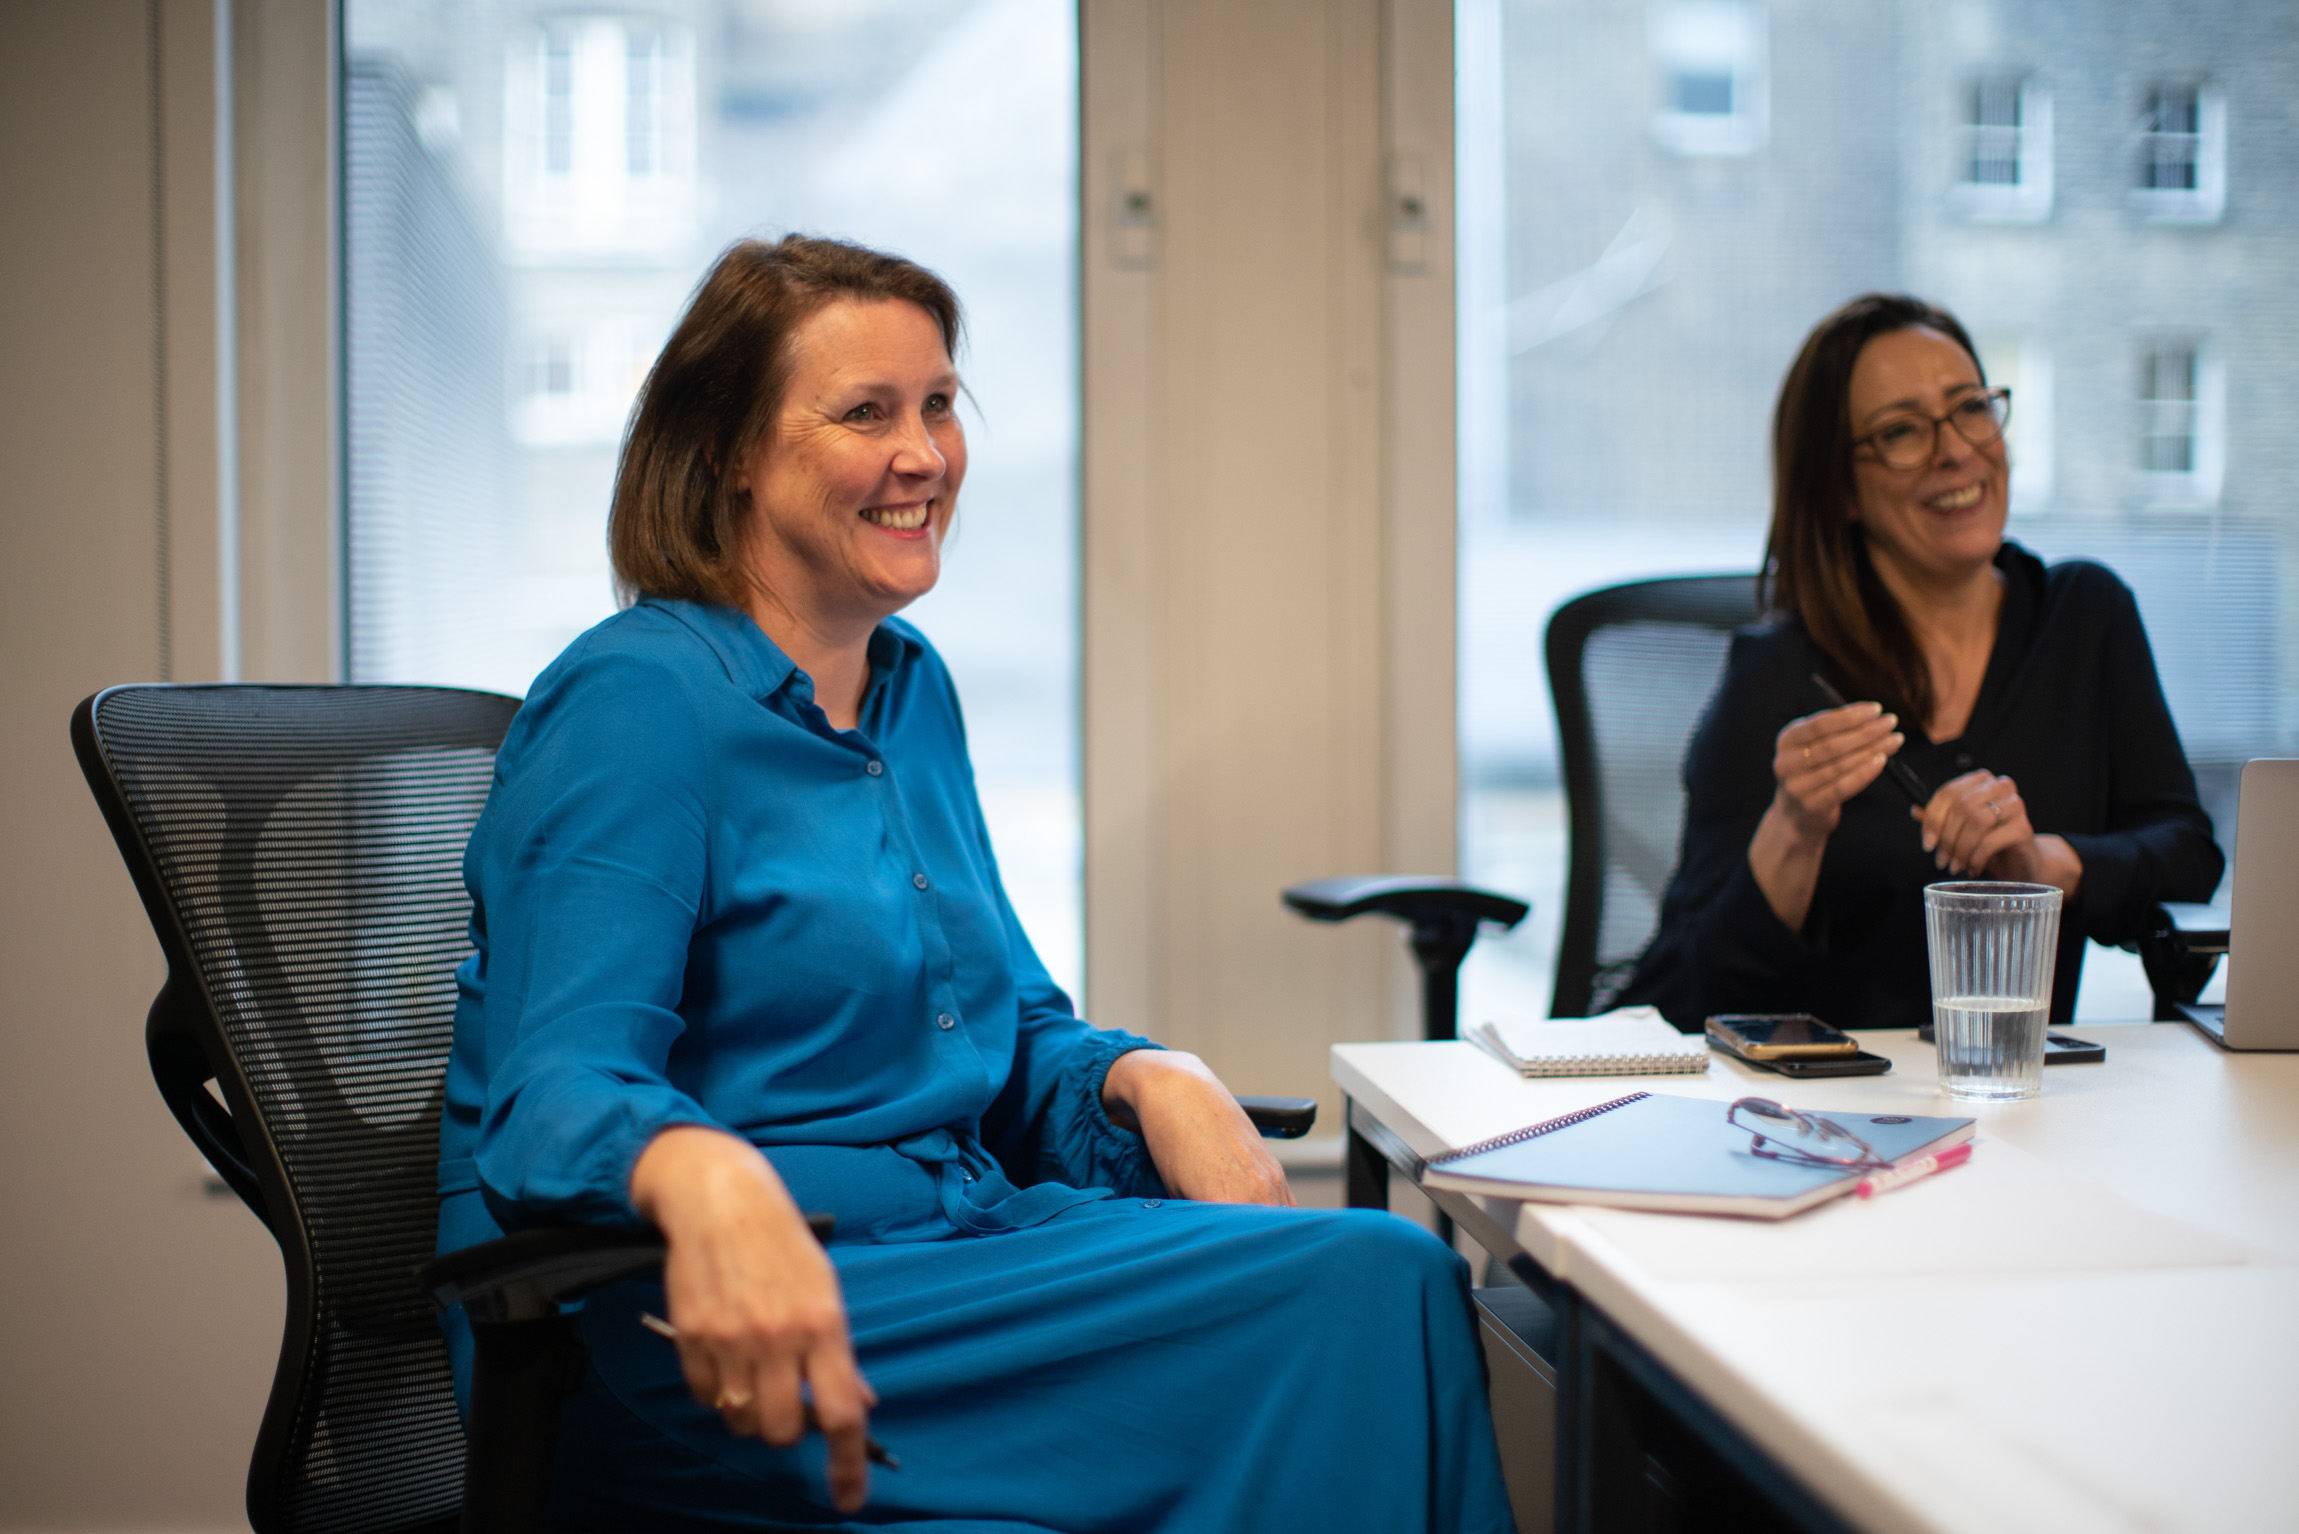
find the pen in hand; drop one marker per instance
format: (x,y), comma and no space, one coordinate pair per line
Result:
(876,1452)
(1918,792)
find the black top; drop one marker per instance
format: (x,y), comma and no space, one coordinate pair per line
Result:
(2070,709)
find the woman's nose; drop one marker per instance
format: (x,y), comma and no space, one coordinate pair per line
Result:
(1948,445)
(915,452)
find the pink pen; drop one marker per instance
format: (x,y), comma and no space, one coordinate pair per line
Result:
(1922,1166)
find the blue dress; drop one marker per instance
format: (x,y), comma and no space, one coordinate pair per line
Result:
(696,902)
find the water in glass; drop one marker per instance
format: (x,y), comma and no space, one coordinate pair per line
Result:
(1991,1047)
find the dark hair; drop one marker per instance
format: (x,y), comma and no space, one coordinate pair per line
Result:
(1816,561)
(675,529)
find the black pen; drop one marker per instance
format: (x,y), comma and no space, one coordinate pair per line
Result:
(876,1452)
(1910,783)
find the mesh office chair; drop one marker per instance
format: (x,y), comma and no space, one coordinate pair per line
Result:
(1631,668)
(299,851)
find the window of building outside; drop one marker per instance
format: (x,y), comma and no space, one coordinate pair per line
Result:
(530,196)
(2182,163)
(1628,309)
(1708,57)
(2006,153)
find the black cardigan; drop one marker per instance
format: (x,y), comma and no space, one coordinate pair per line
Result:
(2070,709)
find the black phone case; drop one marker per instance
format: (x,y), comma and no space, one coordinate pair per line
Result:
(2059,1048)
(1809,1066)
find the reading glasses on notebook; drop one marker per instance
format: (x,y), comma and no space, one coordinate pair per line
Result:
(1804,1138)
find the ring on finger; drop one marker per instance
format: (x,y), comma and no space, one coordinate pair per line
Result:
(733,1400)
(1996,810)
(1808,753)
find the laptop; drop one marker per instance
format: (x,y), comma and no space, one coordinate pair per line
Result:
(2258,929)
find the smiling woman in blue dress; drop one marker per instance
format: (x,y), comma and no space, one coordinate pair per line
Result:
(742,952)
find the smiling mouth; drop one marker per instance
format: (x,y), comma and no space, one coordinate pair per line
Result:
(900,519)
(1956,500)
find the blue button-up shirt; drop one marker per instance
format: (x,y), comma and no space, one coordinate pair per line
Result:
(697,902)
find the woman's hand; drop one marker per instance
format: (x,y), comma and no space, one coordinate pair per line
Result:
(1978,823)
(754,1299)
(1818,762)
(1204,1145)
(1822,760)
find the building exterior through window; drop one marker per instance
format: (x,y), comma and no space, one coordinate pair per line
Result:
(533,190)
(2088,188)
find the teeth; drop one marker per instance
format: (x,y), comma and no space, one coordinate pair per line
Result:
(1957,500)
(902,519)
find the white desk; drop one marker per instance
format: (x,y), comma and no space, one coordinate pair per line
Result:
(2092,1325)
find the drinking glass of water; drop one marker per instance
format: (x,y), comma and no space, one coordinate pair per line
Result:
(1992,944)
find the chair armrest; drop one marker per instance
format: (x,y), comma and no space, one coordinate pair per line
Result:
(2194,928)
(1409,898)
(1281,1118)
(2180,950)
(525,1277)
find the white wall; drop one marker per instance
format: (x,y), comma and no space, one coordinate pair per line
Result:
(1268,523)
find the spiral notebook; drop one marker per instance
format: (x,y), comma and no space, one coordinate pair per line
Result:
(1633,1041)
(1646,1151)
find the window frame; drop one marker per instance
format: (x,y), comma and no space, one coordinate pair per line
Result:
(2027,200)
(2206,202)
(1678,45)
(2198,486)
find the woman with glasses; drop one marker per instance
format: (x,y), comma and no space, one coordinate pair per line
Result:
(2004,718)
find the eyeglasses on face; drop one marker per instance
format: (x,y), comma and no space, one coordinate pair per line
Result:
(1784,1134)
(1909,439)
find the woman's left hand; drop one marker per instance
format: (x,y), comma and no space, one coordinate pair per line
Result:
(1978,823)
(1204,1145)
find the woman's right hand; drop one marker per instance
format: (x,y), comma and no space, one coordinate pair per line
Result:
(1818,762)
(754,1299)
(1822,760)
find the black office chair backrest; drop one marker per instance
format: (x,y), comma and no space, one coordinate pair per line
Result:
(299,850)
(1630,670)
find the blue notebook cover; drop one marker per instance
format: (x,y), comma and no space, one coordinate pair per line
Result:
(1646,1151)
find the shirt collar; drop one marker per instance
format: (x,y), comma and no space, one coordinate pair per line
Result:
(757,665)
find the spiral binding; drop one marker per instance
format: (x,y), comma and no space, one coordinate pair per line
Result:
(1518,1136)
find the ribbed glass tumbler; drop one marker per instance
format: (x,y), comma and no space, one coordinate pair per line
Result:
(1993,946)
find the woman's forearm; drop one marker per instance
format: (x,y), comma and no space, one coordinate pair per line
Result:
(1786,863)
(1198,1137)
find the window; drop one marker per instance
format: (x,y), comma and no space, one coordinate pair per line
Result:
(2007,151)
(529,198)
(2181,170)
(1713,90)
(599,125)
(1627,315)
(2181,420)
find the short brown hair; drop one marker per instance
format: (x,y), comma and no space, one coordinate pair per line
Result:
(675,530)
(1816,561)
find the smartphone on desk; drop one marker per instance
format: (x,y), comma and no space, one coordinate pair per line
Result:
(1793,1044)
(1778,1036)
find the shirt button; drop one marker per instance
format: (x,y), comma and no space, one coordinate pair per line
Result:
(945,1022)
(1152,1203)
(920,880)
(1963,759)
(874,767)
